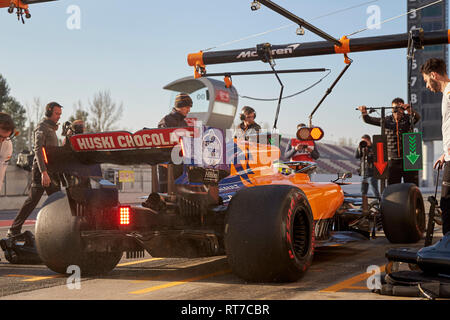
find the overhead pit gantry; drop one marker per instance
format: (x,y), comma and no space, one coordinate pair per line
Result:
(20,7)
(266,52)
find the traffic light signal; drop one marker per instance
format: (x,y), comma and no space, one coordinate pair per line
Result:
(313,133)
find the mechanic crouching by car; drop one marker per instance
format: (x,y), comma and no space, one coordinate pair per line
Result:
(42,180)
(175,119)
(364,152)
(297,150)
(395,125)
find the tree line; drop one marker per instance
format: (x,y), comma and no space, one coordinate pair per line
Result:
(101,115)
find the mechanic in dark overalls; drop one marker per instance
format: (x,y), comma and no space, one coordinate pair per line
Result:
(42,180)
(175,119)
(395,125)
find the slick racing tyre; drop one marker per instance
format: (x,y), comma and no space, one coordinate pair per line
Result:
(59,243)
(269,234)
(403,213)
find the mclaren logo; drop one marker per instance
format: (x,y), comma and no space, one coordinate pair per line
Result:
(276,52)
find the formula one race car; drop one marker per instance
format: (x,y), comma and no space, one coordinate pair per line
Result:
(235,197)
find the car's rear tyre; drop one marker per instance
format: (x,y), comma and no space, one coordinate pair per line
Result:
(59,243)
(269,234)
(403,213)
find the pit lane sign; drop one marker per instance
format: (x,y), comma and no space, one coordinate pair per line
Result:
(379,147)
(412,151)
(126,176)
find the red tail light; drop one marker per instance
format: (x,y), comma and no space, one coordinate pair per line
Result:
(124,215)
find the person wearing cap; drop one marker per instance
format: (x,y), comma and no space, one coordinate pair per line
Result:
(175,119)
(42,180)
(301,150)
(6,147)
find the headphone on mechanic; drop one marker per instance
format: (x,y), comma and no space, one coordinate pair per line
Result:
(247,110)
(49,108)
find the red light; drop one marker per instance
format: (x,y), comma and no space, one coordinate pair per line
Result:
(182,153)
(45,155)
(124,213)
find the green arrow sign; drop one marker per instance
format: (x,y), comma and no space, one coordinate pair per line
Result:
(413,157)
(412,151)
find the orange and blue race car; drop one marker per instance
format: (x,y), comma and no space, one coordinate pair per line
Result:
(235,197)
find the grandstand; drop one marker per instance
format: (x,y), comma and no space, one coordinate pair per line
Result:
(334,158)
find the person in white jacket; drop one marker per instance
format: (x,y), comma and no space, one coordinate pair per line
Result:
(6,148)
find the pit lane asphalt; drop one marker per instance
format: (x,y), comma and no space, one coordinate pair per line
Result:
(337,272)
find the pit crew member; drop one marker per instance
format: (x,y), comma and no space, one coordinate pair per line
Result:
(175,119)
(6,147)
(434,73)
(42,180)
(183,105)
(248,125)
(395,125)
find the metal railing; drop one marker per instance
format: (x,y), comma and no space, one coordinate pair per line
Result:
(17,181)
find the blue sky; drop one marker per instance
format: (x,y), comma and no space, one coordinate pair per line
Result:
(134,48)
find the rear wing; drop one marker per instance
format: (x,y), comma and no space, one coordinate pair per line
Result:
(83,152)
(124,140)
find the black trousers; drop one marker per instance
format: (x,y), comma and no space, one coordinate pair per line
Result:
(34,196)
(445,198)
(396,173)
(373,183)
